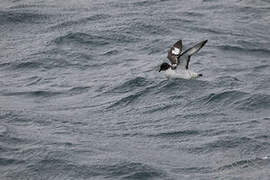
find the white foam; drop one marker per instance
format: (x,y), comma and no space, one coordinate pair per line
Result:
(266,157)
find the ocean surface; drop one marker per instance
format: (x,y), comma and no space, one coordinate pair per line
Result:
(81,96)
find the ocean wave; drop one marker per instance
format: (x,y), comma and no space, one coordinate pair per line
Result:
(38,93)
(127,100)
(231,99)
(4,64)
(145,3)
(241,49)
(49,93)
(4,161)
(26,6)
(130,91)
(227,143)
(26,65)
(245,163)
(224,98)
(82,38)
(52,167)
(158,108)
(176,134)
(254,102)
(78,90)
(193,14)
(215,30)
(229,81)
(94,41)
(8,17)
(3,130)
(34,80)
(261,68)
(171,86)
(189,170)
(93,18)
(142,28)
(132,170)
(111,52)
(42,63)
(130,85)
(50,59)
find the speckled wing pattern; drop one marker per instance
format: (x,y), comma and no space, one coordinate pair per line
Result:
(175,52)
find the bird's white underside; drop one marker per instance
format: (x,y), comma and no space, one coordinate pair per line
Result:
(181,73)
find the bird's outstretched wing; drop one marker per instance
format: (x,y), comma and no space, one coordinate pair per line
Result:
(185,56)
(175,52)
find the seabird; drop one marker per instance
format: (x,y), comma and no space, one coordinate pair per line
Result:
(179,67)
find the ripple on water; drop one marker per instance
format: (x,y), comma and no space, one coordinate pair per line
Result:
(176,134)
(245,163)
(254,102)
(94,40)
(130,85)
(126,170)
(245,145)
(23,17)
(81,38)
(224,98)
(241,49)
(3,130)
(90,19)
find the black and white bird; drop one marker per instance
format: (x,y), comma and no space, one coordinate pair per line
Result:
(179,67)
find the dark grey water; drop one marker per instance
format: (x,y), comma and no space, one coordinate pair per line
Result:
(81,98)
